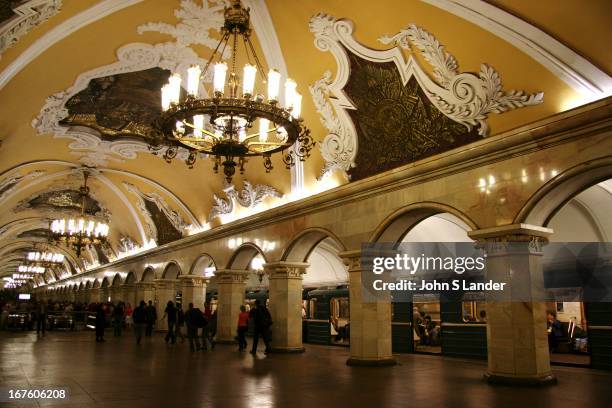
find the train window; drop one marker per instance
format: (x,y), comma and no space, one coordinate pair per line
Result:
(312,307)
(474,311)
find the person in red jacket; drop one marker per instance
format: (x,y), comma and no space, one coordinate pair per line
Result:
(243,325)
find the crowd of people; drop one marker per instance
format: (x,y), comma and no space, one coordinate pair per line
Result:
(198,326)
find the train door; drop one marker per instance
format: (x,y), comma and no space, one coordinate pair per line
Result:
(401,327)
(599,339)
(426,324)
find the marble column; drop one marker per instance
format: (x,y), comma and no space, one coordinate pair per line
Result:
(517,339)
(370,320)
(193,289)
(116,294)
(95,295)
(286,305)
(165,290)
(128,294)
(231,284)
(145,291)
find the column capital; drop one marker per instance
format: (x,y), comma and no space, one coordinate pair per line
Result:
(285,270)
(508,232)
(195,280)
(163,283)
(231,275)
(144,284)
(127,285)
(501,239)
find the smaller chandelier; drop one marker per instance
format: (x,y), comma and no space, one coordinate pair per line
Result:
(45,258)
(221,125)
(83,231)
(30,269)
(22,276)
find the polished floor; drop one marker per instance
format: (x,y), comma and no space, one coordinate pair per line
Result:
(118,374)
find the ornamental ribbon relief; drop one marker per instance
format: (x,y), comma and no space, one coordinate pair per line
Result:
(463,97)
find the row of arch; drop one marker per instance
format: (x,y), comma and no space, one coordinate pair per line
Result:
(538,210)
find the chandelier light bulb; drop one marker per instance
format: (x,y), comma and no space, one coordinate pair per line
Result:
(198,125)
(290,91)
(297,105)
(193,80)
(165,97)
(273,85)
(248,82)
(219,77)
(175,87)
(263,129)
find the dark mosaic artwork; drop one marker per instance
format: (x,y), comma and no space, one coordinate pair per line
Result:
(65,200)
(165,230)
(123,105)
(41,233)
(6,9)
(396,124)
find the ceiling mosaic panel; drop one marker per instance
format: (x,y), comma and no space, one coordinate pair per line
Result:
(65,200)
(395,124)
(123,105)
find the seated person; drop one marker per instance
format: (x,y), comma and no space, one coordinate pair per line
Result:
(555,331)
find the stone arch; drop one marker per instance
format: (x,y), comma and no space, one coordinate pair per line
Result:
(130,278)
(302,245)
(552,196)
(88,284)
(116,280)
(96,283)
(244,254)
(397,225)
(201,262)
(148,275)
(171,271)
(105,283)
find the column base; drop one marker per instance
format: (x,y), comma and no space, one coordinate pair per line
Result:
(288,350)
(496,379)
(358,362)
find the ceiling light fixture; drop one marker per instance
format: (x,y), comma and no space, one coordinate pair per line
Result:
(83,231)
(221,125)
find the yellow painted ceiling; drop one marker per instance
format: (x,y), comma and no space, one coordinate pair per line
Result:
(96,44)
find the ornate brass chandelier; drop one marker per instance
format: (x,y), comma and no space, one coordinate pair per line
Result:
(83,231)
(221,125)
(44,258)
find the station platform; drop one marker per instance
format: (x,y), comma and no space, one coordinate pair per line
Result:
(120,374)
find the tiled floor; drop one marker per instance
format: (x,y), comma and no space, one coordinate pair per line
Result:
(120,374)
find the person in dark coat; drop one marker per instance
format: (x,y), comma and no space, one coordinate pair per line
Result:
(171,314)
(151,318)
(193,319)
(100,324)
(263,322)
(41,317)
(139,317)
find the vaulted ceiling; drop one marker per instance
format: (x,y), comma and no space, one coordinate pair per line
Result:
(76,90)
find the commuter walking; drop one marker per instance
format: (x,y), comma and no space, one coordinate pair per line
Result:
(41,317)
(139,317)
(170,313)
(243,326)
(193,319)
(100,324)
(263,322)
(210,328)
(151,319)
(117,319)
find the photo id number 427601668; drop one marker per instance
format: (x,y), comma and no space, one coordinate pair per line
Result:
(11,394)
